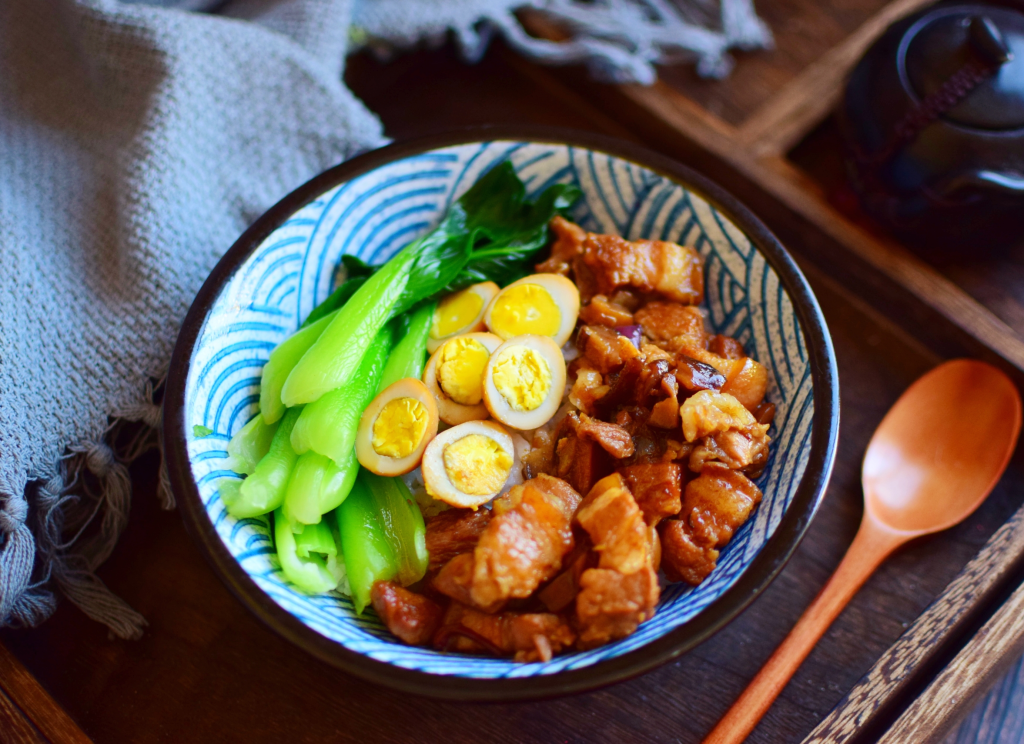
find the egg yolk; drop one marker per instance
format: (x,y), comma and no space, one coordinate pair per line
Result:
(477,465)
(400,427)
(523,378)
(460,370)
(455,312)
(525,308)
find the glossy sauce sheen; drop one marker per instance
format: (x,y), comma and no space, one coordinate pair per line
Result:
(662,438)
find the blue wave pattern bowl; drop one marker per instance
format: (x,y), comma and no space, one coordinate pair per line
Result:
(373,215)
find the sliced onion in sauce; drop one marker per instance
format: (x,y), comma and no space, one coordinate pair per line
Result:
(632,332)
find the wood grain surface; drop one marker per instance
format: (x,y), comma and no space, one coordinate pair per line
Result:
(15,728)
(806,100)
(864,711)
(207,670)
(961,684)
(27,708)
(870,547)
(999,717)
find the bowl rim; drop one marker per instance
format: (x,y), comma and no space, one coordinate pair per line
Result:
(762,570)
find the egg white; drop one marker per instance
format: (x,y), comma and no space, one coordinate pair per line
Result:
(435,476)
(500,408)
(486,291)
(372,460)
(451,411)
(562,291)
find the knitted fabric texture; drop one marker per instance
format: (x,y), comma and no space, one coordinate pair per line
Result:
(137,142)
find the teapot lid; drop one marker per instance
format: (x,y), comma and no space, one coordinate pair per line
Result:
(988,37)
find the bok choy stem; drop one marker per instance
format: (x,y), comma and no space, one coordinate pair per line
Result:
(282,360)
(333,360)
(249,444)
(317,486)
(328,426)
(368,554)
(409,355)
(304,555)
(402,521)
(264,490)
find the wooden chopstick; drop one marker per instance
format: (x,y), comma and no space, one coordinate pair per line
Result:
(949,616)
(959,686)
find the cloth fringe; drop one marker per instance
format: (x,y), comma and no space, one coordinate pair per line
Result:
(72,563)
(619,41)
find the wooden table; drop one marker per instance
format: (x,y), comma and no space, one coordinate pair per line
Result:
(207,670)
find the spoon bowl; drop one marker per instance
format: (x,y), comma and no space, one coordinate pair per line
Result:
(942,448)
(939,451)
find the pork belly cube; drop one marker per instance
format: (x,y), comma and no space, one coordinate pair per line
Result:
(726,347)
(455,580)
(410,616)
(604,348)
(587,388)
(533,636)
(676,327)
(623,590)
(717,503)
(612,519)
(559,493)
(653,352)
(652,266)
(746,451)
(522,547)
(614,439)
(707,412)
(747,382)
(453,532)
(569,239)
(602,311)
(657,488)
(582,462)
(612,604)
(665,414)
(682,558)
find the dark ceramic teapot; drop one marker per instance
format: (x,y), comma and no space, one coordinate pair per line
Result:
(933,122)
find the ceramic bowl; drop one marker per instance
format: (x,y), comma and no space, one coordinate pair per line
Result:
(375,204)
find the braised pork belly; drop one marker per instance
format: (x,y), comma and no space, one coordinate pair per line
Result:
(663,427)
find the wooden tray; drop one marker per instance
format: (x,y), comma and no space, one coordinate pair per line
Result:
(207,670)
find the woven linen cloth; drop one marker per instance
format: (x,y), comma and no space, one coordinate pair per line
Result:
(137,142)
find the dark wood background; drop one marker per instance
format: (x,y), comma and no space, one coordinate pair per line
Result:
(207,670)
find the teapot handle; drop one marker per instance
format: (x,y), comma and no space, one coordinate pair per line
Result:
(1005,184)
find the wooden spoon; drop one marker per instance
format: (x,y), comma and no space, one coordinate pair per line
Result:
(934,458)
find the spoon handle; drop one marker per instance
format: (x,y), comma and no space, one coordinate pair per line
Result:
(870,547)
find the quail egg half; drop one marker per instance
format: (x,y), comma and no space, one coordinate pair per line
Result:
(455,376)
(460,312)
(541,304)
(396,427)
(524,381)
(467,466)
